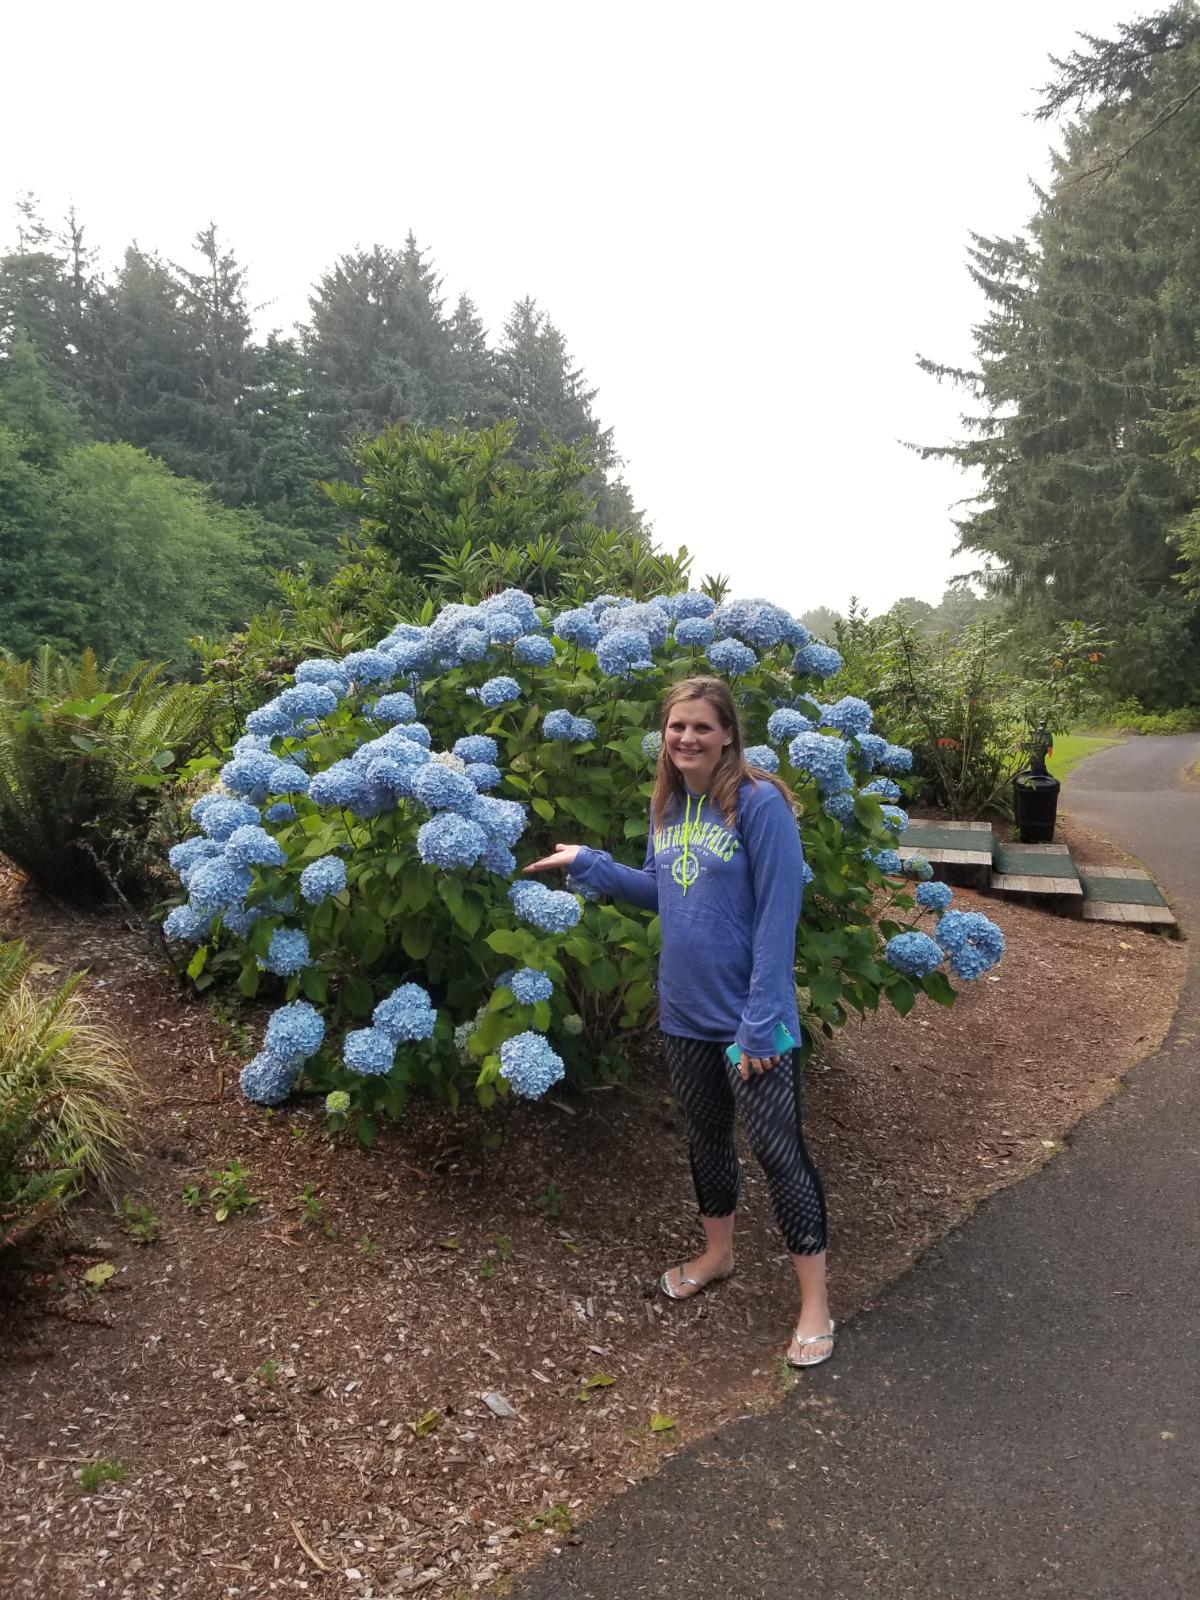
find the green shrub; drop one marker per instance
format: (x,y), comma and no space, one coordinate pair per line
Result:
(65,1097)
(1127,716)
(966,704)
(85,757)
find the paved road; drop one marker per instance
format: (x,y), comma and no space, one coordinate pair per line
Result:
(1020,1415)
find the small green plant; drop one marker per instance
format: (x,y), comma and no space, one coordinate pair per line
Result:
(138,1221)
(554,1519)
(267,1372)
(309,1205)
(549,1202)
(229,1194)
(487,1270)
(367,1248)
(502,1246)
(97,1472)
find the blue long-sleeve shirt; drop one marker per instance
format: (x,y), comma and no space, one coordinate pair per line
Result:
(729,900)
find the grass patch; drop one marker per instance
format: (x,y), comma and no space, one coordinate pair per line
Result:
(1072,748)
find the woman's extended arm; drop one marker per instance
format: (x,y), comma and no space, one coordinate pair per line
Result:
(596,868)
(777,873)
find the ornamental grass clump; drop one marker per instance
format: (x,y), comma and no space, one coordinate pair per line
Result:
(360,861)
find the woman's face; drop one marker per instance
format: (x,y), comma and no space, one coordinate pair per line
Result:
(695,740)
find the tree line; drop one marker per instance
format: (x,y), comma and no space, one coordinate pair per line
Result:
(158,458)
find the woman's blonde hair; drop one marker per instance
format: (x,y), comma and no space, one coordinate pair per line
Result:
(732,769)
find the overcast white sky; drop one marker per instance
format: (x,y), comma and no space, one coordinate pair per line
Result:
(746,218)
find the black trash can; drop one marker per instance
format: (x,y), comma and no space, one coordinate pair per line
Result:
(1035,805)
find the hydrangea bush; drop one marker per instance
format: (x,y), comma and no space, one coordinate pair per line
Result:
(360,857)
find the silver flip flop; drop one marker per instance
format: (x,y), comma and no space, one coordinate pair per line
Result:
(698,1285)
(817,1338)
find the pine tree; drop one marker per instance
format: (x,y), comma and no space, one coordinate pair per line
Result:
(1094,315)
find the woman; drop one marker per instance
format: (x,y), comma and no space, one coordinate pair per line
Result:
(725,871)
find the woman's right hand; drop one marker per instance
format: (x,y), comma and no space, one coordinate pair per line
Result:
(564,857)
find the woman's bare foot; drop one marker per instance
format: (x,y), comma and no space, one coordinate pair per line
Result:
(681,1283)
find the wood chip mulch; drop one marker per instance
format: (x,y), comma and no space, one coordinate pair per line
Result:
(403,1388)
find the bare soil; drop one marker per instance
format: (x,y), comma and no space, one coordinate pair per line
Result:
(297,1399)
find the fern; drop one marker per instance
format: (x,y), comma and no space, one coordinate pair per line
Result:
(84,754)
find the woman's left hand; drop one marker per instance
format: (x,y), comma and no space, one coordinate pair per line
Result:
(759,1064)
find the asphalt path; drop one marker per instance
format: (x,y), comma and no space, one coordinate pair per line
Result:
(1020,1414)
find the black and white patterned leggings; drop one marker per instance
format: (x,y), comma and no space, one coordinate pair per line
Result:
(711,1089)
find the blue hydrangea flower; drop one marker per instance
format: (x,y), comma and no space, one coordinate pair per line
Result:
(410,655)
(840,807)
(395,707)
(287,777)
(915,954)
(888,861)
(645,617)
(483,775)
(824,759)
(934,896)
(185,925)
(270,719)
(820,660)
(895,759)
(239,920)
(497,692)
(222,816)
(529,985)
(505,820)
(550,910)
(306,701)
(806,874)
(498,858)
(872,746)
(848,715)
(652,745)
(267,1081)
(761,755)
(253,846)
(578,626)
(886,788)
(369,1051)
(321,878)
(443,789)
(249,774)
(972,942)
(694,632)
(393,776)
(786,724)
(369,666)
(895,818)
(287,953)
(251,741)
(558,725)
(318,670)
(530,1065)
(344,785)
(215,885)
(406,1013)
(584,729)
(795,634)
(473,747)
(471,645)
(415,733)
(191,852)
(449,840)
(688,605)
(294,1032)
(917,867)
(727,655)
(533,650)
(755,622)
(623,651)
(515,603)
(502,627)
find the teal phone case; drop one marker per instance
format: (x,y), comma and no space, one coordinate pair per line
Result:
(783,1043)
